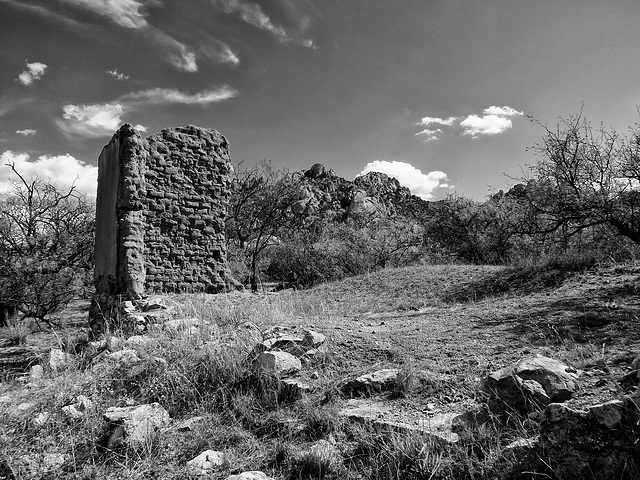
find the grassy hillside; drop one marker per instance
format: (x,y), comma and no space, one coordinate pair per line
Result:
(444,327)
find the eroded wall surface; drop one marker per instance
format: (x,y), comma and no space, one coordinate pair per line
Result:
(161,209)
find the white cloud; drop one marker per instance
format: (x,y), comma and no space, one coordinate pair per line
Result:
(493,121)
(125,13)
(91,120)
(33,72)
(253,14)
(61,170)
(487,125)
(420,184)
(426,121)
(118,76)
(140,128)
(97,120)
(505,111)
(427,131)
(219,52)
(158,96)
(27,132)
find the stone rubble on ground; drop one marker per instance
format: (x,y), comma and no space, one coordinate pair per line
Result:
(140,422)
(79,408)
(58,360)
(373,382)
(277,363)
(206,462)
(437,426)
(252,475)
(595,442)
(532,381)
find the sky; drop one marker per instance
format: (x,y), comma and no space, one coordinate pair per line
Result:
(439,93)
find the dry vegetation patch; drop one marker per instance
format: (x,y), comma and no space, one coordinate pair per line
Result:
(437,329)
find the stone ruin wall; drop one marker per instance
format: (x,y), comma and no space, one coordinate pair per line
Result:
(160,216)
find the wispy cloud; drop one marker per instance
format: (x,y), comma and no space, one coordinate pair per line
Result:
(27,132)
(98,120)
(63,170)
(118,76)
(33,72)
(493,121)
(253,14)
(159,96)
(126,13)
(219,52)
(420,184)
(426,121)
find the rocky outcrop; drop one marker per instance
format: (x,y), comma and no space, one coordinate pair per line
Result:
(532,381)
(597,442)
(323,194)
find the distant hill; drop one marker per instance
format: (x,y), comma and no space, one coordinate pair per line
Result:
(325,194)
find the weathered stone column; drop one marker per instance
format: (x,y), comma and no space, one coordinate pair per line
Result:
(160,213)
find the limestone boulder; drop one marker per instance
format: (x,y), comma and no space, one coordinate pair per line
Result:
(59,360)
(139,423)
(206,462)
(251,475)
(277,363)
(532,381)
(597,442)
(371,383)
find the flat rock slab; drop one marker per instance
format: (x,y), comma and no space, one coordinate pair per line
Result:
(207,461)
(252,475)
(385,415)
(277,363)
(370,383)
(140,422)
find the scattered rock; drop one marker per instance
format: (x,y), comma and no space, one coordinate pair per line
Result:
(598,442)
(253,475)
(292,389)
(58,360)
(79,408)
(437,426)
(155,303)
(313,339)
(36,373)
(127,307)
(277,363)
(206,462)
(125,357)
(532,381)
(140,422)
(190,325)
(285,343)
(370,383)
(41,419)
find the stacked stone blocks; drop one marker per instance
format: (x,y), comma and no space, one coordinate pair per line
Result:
(160,216)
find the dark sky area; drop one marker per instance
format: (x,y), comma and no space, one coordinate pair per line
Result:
(434,92)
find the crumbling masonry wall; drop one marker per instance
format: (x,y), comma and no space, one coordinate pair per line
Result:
(160,213)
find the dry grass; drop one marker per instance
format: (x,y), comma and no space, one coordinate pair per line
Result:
(443,326)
